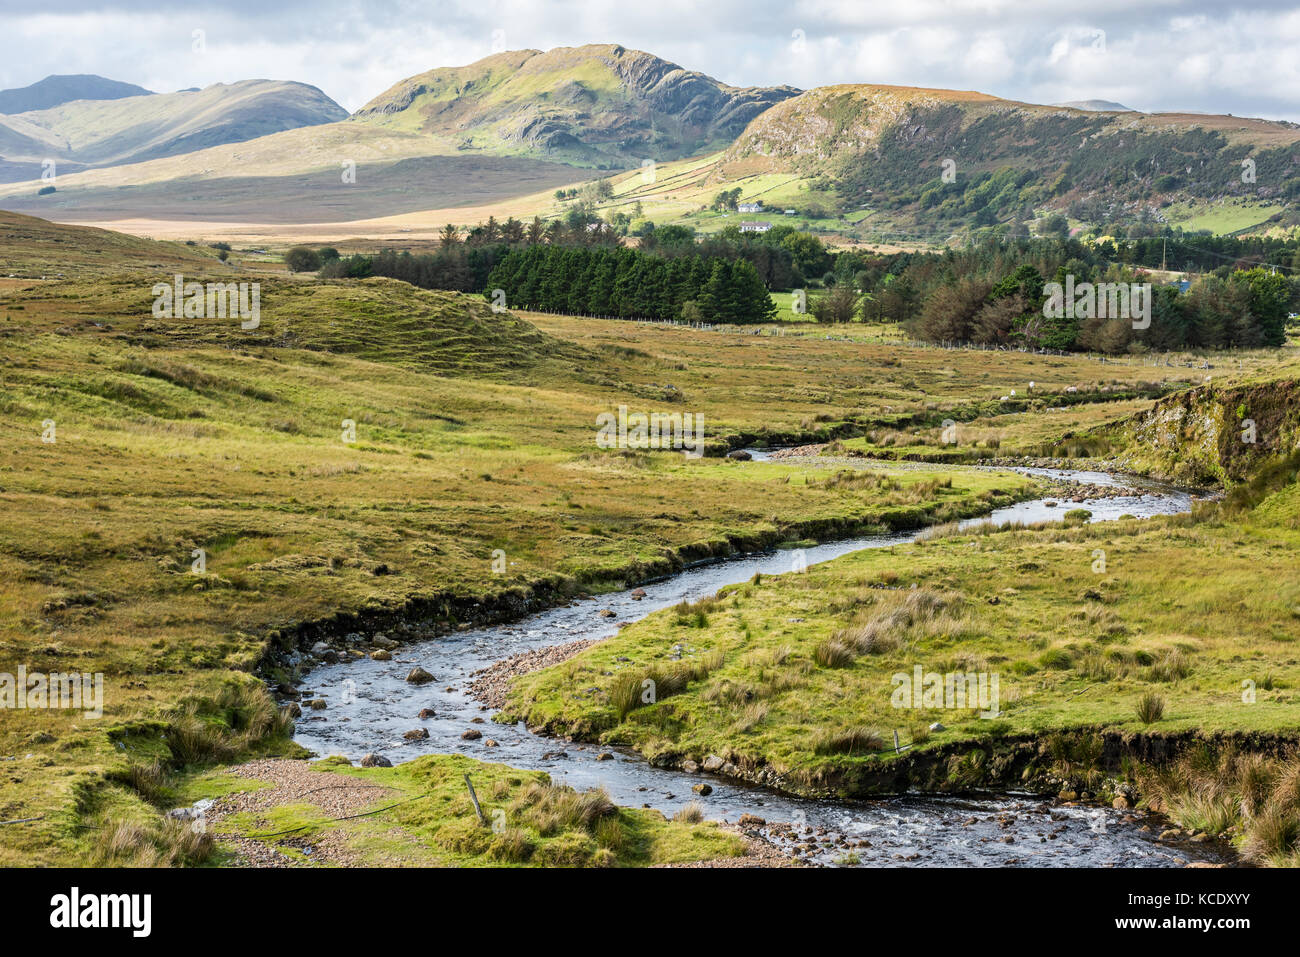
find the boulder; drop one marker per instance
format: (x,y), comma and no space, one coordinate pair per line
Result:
(740,455)
(473,734)
(373,760)
(713,763)
(416,734)
(418,676)
(381,655)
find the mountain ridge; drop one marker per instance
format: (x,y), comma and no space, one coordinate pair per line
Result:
(859,159)
(59,88)
(83,134)
(591,103)
(962,158)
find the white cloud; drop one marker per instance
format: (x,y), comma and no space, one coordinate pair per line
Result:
(1158,54)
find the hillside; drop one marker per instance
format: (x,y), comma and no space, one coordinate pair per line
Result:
(55,90)
(880,151)
(509,125)
(372,320)
(90,133)
(496,137)
(590,104)
(34,248)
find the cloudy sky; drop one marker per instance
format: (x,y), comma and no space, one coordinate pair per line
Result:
(1208,56)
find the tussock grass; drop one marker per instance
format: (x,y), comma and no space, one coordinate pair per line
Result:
(240,717)
(165,843)
(833,654)
(910,618)
(1252,798)
(692,813)
(636,687)
(1150,708)
(855,741)
(513,846)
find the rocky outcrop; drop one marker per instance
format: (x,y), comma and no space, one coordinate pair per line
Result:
(1213,435)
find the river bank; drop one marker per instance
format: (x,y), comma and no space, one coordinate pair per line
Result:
(389,711)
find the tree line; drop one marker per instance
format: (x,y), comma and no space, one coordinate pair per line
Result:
(629,283)
(994,294)
(988,293)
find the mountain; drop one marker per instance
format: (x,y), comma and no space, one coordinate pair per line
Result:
(510,124)
(1102,106)
(499,135)
(886,149)
(589,104)
(57,90)
(90,133)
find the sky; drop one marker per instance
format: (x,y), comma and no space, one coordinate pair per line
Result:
(1155,55)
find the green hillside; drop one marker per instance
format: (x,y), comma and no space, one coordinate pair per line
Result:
(592,104)
(935,161)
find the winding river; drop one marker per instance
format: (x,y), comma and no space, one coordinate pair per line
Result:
(370,706)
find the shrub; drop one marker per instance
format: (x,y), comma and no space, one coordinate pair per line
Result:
(302,259)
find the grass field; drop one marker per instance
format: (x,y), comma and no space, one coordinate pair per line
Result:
(1222,217)
(178,496)
(1158,627)
(179,438)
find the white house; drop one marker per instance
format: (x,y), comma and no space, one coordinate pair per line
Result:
(755,226)
(749,208)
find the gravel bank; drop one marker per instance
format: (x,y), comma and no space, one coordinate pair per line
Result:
(491,684)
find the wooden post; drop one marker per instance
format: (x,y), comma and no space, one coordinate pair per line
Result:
(474,797)
(895,739)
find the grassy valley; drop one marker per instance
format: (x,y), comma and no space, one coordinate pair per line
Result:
(312,449)
(1105,641)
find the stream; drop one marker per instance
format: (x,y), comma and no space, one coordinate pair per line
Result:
(370,706)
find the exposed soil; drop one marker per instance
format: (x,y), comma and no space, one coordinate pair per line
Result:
(294,782)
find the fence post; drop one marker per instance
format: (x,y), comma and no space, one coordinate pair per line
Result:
(474,798)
